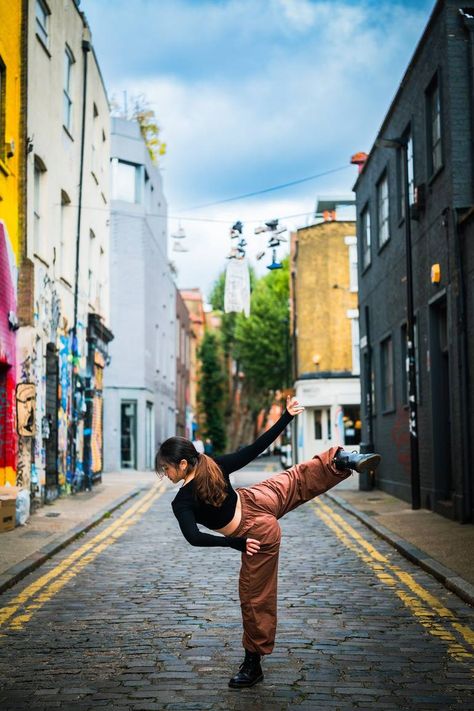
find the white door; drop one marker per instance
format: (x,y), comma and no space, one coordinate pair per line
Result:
(318,431)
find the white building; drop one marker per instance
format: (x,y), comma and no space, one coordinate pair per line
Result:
(64,274)
(140,383)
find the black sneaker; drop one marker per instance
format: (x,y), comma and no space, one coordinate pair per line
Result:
(250,672)
(357,462)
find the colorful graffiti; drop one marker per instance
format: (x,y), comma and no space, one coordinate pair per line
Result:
(64,412)
(8,436)
(25,409)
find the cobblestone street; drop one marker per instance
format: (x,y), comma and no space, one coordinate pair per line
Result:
(131,617)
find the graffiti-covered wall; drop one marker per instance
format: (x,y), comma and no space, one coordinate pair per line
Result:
(10,163)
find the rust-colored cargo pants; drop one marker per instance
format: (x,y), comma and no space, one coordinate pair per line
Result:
(262,506)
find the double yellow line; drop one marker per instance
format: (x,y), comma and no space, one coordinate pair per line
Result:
(22,607)
(427,609)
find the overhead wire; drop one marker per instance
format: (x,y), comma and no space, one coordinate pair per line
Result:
(181,217)
(267,190)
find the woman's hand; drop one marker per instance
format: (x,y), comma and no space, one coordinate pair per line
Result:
(252,546)
(293,406)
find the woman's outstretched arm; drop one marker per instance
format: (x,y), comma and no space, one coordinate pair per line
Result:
(236,460)
(195,537)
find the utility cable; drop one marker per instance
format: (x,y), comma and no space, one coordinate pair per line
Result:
(267,190)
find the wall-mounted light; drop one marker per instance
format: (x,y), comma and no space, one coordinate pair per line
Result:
(435,273)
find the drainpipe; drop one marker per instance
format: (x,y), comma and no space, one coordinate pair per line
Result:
(468,22)
(366,480)
(86,48)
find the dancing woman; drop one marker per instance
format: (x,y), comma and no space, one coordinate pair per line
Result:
(248,517)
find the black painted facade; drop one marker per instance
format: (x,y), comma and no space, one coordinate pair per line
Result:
(441,74)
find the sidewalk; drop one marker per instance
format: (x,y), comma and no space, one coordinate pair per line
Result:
(54,525)
(440,546)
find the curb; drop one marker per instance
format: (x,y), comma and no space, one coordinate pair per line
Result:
(18,571)
(448,577)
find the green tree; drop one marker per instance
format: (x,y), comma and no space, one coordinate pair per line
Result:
(146,119)
(262,341)
(211,393)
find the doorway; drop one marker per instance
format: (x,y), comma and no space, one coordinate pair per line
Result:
(149,439)
(128,438)
(440,402)
(50,431)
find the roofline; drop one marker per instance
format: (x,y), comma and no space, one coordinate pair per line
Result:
(421,42)
(327,222)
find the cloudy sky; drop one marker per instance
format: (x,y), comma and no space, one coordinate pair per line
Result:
(252,94)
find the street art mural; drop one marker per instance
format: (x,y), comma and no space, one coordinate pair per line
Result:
(97,414)
(8,436)
(64,412)
(25,409)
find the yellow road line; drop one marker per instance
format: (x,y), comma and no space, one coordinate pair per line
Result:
(31,590)
(20,620)
(388,574)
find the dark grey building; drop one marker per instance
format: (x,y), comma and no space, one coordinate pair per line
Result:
(433,114)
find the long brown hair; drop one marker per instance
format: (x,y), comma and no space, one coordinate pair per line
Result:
(211,486)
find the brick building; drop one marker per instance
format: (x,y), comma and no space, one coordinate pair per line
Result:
(432,113)
(324,326)
(194,303)
(183,365)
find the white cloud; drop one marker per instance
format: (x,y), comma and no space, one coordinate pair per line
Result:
(250,95)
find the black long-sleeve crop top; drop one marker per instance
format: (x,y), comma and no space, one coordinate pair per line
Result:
(190,511)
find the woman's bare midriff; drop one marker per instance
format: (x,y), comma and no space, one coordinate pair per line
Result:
(235,523)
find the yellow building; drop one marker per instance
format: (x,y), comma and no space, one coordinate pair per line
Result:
(325,329)
(11,234)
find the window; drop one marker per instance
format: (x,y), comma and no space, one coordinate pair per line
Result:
(382,210)
(353,282)
(67,109)
(365,236)
(386,353)
(127,184)
(433,115)
(352,424)
(39,170)
(318,424)
(42,13)
(403,166)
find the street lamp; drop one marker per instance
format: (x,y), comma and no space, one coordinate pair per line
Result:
(401,144)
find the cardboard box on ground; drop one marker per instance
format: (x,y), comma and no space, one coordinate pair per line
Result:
(8,496)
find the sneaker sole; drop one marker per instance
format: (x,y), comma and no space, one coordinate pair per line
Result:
(245,686)
(370,463)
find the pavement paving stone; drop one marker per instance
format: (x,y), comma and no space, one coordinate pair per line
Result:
(144,625)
